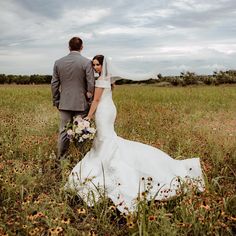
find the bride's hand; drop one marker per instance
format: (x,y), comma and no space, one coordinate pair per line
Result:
(88,118)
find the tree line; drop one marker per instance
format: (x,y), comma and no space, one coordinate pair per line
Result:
(184,79)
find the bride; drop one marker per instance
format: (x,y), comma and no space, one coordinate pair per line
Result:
(126,169)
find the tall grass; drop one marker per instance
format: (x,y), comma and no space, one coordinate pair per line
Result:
(184,122)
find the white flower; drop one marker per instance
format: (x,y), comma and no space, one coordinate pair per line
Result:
(78,130)
(78,119)
(70,132)
(80,126)
(86,123)
(81,140)
(91,130)
(85,136)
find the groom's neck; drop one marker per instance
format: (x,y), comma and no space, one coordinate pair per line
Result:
(75,51)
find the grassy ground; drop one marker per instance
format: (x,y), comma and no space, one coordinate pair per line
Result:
(184,122)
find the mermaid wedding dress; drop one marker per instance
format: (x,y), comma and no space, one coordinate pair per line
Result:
(126,169)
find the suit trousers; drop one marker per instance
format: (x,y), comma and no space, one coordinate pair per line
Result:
(63,141)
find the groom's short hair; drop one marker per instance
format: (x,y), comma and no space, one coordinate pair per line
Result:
(75,44)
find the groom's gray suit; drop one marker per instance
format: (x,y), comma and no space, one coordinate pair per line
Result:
(72,78)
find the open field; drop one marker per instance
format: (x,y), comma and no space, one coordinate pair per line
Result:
(184,122)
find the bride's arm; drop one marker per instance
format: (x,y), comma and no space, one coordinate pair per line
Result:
(97,95)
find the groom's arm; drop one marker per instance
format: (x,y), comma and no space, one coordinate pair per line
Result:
(55,86)
(90,78)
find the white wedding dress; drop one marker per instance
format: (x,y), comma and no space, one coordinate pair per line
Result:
(126,169)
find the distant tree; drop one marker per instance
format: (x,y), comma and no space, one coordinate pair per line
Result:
(3,78)
(159,76)
(188,77)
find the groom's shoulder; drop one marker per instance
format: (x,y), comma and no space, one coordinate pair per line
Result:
(61,59)
(85,59)
(79,58)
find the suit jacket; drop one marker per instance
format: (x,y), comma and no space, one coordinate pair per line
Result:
(72,78)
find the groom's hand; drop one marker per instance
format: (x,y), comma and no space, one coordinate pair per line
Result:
(89,98)
(89,95)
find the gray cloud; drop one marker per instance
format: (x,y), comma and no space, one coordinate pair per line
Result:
(168,36)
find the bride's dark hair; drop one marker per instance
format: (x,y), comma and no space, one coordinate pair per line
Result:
(99,58)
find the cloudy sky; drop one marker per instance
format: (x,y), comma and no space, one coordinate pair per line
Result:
(165,36)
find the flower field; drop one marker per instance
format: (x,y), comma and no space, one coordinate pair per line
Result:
(182,121)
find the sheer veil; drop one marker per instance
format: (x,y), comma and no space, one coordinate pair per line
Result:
(113,73)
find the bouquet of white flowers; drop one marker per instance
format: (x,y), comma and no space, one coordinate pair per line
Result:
(80,130)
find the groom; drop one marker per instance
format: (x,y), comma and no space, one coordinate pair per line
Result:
(72,87)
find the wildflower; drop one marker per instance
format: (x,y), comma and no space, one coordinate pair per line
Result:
(52,231)
(59,229)
(52,201)
(25,202)
(152,218)
(36,230)
(130,225)
(32,232)
(29,197)
(144,194)
(37,201)
(24,226)
(94,218)
(149,178)
(39,215)
(181,225)
(2,232)
(113,208)
(81,211)
(92,233)
(54,219)
(65,221)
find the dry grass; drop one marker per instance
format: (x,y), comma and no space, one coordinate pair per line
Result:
(184,122)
